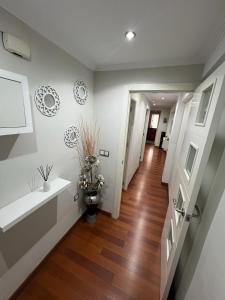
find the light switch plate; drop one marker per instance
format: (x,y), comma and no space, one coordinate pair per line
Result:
(104,153)
(107,153)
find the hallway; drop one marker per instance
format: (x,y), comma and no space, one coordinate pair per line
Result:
(113,259)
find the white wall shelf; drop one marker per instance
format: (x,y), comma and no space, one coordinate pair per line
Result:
(16,211)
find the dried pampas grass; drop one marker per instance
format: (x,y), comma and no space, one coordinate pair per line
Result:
(89,139)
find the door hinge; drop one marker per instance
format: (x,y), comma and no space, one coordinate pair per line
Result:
(195,214)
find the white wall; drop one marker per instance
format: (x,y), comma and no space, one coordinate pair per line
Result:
(24,246)
(110,106)
(164,114)
(216,56)
(134,152)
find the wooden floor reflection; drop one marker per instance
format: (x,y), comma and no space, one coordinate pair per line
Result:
(113,259)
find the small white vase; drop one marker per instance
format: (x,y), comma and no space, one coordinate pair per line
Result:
(46,186)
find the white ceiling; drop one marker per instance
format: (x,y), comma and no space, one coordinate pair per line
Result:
(169,32)
(162,100)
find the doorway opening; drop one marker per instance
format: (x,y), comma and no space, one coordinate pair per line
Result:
(178,88)
(152,126)
(150,121)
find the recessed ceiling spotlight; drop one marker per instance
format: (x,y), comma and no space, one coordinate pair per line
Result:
(154,104)
(163,98)
(130,35)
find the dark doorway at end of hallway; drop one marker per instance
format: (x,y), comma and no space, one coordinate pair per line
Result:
(152,126)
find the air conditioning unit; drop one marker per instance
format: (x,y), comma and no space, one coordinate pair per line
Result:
(16,46)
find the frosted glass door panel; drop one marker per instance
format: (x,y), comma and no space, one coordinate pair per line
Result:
(179,205)
(204,105)
(190,159)
(12,112)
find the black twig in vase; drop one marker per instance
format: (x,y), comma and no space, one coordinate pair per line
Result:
(45,173)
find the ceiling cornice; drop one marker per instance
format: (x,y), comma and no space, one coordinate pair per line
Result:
(150,65)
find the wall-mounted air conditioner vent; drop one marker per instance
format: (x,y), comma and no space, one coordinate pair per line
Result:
(16,46)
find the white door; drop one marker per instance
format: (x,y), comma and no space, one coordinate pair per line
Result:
(145,131)
(203,115)
(129,134)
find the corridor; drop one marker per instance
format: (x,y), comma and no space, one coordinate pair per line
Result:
(113,259)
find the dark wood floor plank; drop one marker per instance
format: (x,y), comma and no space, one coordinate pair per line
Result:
(73,281)
(90,278)
(139,289)
(131,265)
(88,264)
(56,286)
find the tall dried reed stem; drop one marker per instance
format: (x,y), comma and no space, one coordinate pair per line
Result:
(89,139)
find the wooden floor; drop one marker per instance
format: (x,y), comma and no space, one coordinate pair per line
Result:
(113,259)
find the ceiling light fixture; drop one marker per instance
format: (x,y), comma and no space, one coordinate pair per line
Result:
(130,35)
(163,98)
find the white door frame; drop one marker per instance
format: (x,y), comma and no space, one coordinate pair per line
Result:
(152,87)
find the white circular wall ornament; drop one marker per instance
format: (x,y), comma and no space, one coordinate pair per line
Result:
(47,100)
(71,136)
(80,91)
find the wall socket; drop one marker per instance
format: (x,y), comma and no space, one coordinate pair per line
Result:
(104,153)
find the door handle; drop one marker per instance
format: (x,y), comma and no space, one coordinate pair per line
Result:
(180,211)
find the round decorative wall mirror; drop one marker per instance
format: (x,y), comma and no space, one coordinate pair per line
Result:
(71,136)
(80,92)
(47,101)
